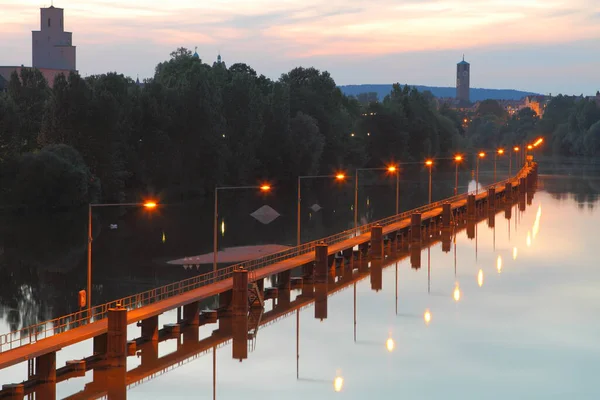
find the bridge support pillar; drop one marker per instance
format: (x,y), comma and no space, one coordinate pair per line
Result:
(116,339)
(348,258)
(150,329)
(99,346)
(471,206)
(225,302)
(321,263)
(376,275)
(191,313)
(14,391)
(491,219)
(446,214)
(471,228)
(45,367)
(377,242)
(522,185)
(284,285)
(240,293)
(321,301)
(446,240)
(415,255)
(508,191)
(239,346)
(491,198)
(363,250)
(415,227)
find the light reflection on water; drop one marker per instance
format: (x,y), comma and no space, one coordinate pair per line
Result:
(526,333)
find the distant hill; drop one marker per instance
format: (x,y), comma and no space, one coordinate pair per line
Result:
(476,94)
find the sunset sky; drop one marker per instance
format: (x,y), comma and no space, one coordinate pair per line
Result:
(546,46)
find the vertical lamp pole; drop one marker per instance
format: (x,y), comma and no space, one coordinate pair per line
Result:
(480,155)
(498,152)
(458,158)
(393,169)
(429,163)
(262,188)
(150,205)
(516,150)
(339,177)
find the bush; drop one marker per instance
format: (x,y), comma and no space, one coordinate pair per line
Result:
(54,177)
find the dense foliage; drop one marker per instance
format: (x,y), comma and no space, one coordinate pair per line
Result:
(570,126)
(193,126)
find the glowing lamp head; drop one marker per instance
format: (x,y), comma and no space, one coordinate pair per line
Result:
(429,163)
(340,177)
(529,147)
(481,154)
(390,345)
(516,148)
(427,316)
(338,384)
(265,188)
(456,293)
(392,168)
(538,142)
(150,205)
(500,151)
(458,158)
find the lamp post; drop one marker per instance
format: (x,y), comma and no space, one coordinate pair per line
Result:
(262,188)
(458,158)
(150,205)
(480,155)
(516,150)
(499,152)
(429,163)
(339,177)
(393,169)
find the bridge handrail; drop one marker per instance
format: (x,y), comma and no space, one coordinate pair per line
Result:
(33,333)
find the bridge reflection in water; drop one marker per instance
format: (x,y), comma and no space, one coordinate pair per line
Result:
(112,380)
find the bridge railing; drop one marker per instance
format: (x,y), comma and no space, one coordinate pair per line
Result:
(33,333)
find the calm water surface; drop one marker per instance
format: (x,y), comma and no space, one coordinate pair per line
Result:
(524,327)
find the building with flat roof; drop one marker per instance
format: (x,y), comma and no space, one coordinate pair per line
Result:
(52,49)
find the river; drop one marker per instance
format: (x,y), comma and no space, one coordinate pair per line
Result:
(522,325)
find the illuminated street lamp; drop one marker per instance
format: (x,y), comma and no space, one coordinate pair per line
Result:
(515,150)
(339,177)
(480,155)
(458,158)
(262,188)
(499,152)
(392,169)
(149,205)
(429,163)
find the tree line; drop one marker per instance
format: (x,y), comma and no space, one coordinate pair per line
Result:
(193,126)
(570,126)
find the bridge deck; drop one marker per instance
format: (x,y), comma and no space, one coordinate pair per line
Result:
(67,338)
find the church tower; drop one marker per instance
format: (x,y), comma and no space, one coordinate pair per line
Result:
(463,78)
(52,47)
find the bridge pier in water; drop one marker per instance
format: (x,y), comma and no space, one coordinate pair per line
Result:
(415,227)
(116,339)
(491,198)
(377,242)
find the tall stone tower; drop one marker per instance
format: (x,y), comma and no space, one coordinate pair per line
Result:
(463,77)
(51,46)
